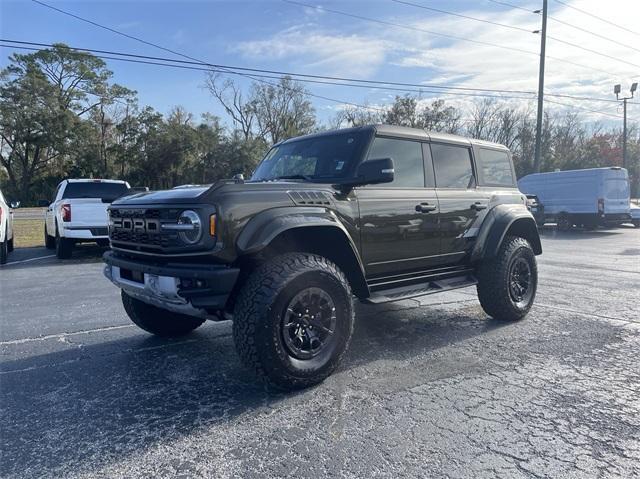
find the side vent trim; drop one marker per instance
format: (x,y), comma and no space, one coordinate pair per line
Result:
(310,197)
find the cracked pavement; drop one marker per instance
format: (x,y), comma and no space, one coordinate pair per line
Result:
(429,388)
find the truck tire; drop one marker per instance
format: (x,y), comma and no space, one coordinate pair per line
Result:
(293,320)
(158,321)
(49,241)
(507,284)
(563,223)
(4,252)
(10,245)
(64,247)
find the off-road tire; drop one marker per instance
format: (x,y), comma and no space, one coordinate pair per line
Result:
(49,241)
(158,321)
(64,247)
(494,276)
(10,245)
(4,252)
(258,317)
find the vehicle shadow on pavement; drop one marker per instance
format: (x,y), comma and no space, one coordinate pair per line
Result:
(39,256)
(88,403)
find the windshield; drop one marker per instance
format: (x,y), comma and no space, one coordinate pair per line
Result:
(321,158)
(104,191)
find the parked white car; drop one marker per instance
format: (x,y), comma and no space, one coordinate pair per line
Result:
(78,213)
(6,229)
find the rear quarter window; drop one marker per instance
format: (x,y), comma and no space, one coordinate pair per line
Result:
(495,168)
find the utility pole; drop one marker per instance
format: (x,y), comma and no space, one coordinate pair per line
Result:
(616,90)
(543,44)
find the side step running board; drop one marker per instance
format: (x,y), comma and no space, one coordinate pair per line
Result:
(421,289)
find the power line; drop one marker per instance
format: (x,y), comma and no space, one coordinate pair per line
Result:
(416,29)
(332,80)
(176,64)
(600,112)
(570,25)
(597,17)
(511,5)
(318,79)
(504,25)
(593,51)
(446,12)
(280,72)
(208,69)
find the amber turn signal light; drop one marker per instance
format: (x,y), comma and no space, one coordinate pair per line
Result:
(212,225)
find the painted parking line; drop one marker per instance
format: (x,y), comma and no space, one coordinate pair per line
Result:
(30,259)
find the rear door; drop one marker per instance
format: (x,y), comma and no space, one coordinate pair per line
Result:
(399,220)
(459,198)
(616,192)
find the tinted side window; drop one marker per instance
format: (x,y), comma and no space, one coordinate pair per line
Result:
(495,168)
(407,161)
(452,165)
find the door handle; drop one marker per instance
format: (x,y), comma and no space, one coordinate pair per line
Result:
(478,206)
(425,208)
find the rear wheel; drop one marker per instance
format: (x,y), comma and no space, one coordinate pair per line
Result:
(4,252)
(563,222)
(158,321)
(10,245)
(507,284)
(293,320)
(64,247)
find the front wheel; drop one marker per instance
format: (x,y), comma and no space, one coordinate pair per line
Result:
(507,284)
(293,320)
(158,321)
(49,241)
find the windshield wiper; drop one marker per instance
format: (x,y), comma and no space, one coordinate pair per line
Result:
(293,177)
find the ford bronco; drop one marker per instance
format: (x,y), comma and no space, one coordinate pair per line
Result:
(379,213)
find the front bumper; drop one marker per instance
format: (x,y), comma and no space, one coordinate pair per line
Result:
(191,289)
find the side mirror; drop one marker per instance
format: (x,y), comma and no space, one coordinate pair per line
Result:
(372,172)
(43,203)
(15,204)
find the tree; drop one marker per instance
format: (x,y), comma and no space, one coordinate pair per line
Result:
(43,98)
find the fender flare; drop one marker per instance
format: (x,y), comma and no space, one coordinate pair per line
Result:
(497,223)
(263,228)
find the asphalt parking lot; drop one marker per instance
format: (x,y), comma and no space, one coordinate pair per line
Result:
(430,388)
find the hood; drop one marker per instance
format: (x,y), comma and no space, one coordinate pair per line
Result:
(178,195)
(196,194)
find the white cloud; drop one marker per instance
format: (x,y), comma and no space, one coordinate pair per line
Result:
(433,59)
(320,51)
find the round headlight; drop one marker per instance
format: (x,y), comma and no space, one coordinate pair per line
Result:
(192,235)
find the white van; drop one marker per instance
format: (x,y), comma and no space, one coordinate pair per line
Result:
(587,198)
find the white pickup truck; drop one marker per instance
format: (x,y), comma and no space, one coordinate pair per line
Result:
(6,229)
(78,213)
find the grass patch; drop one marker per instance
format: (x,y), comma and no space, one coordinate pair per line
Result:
(28,232)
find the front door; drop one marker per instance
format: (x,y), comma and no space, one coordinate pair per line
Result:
(399,220)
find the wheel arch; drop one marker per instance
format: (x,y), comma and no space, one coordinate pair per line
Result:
(310,230)
(503,221)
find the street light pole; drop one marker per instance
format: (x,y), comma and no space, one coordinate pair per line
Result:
(616,90)
(543,43)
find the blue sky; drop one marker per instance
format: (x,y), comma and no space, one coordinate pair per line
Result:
(273,34)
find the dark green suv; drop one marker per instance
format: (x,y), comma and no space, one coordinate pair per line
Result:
(381,213)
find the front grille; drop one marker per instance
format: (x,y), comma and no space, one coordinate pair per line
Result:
(140,228)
